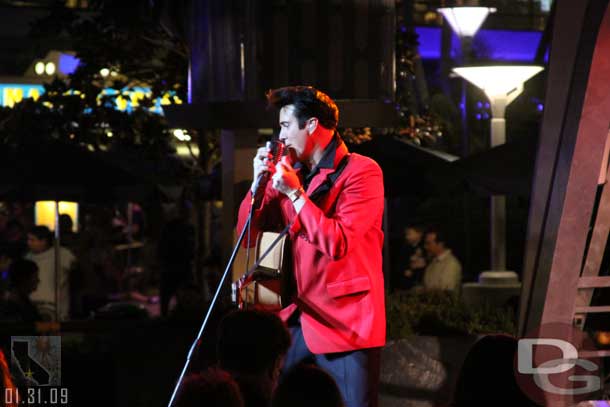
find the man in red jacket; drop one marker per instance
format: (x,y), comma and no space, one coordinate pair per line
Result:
(333,202)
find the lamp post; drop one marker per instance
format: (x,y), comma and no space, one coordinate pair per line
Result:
(465,22)
(502,84)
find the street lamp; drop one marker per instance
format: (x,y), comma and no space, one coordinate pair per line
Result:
(466,21)
(502,84)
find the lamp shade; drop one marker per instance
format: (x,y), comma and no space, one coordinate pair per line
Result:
(465,21)
(497,80)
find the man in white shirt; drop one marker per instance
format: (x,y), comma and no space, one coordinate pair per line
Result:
(444,271)
(42,253)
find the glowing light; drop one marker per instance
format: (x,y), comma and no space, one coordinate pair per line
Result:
(68,63)
(135,97)
(183,151)
(603,338)
(466,21)
(121,103)
(39,68)
(179,134)
(498,80)
(44,213)
(49,68)
(545,5)
(126,99)
(11,94)
(165,100)
(104,72)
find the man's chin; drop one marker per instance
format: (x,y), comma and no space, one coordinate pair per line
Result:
(293,155)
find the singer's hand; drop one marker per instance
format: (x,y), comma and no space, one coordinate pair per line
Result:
(285,178)
(262,162)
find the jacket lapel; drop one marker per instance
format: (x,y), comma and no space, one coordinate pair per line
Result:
(319,179)
(324,173)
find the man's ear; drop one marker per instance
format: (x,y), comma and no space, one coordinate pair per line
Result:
(312,125)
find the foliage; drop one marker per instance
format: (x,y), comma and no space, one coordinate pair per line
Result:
(440,313)
(135,45)
(63,115)
(129,38)
(419,122)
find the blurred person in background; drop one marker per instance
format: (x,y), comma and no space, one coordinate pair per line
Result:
(213,387)
(251,346)
(307,385)
(42,252)
(411,259)
(444,270)
(18,306)
(176,252)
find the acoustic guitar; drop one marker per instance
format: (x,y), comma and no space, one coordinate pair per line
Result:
(263,289)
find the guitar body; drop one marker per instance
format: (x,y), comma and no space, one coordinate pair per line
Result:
(264,292)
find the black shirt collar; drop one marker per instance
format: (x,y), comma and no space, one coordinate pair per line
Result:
(328,157)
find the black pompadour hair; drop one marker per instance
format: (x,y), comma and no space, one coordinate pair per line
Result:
(308,102)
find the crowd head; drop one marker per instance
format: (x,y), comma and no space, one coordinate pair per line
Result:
(307,385)
(250,347)
(488,373)
(413,234)
(213,387)
(24,276)
(252,342)
(435,242)
(40,239)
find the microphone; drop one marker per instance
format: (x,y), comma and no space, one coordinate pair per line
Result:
(291,156)
(276,150)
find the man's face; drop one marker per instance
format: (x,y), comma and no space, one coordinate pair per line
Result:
(432,246)
(292,136)
(35,244)
(413,236)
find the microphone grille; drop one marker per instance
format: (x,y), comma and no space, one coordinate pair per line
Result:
(277,150)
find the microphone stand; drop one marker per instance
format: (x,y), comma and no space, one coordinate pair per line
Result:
(245,228)
(212,304)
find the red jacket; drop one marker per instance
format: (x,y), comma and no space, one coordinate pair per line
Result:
(336,253)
